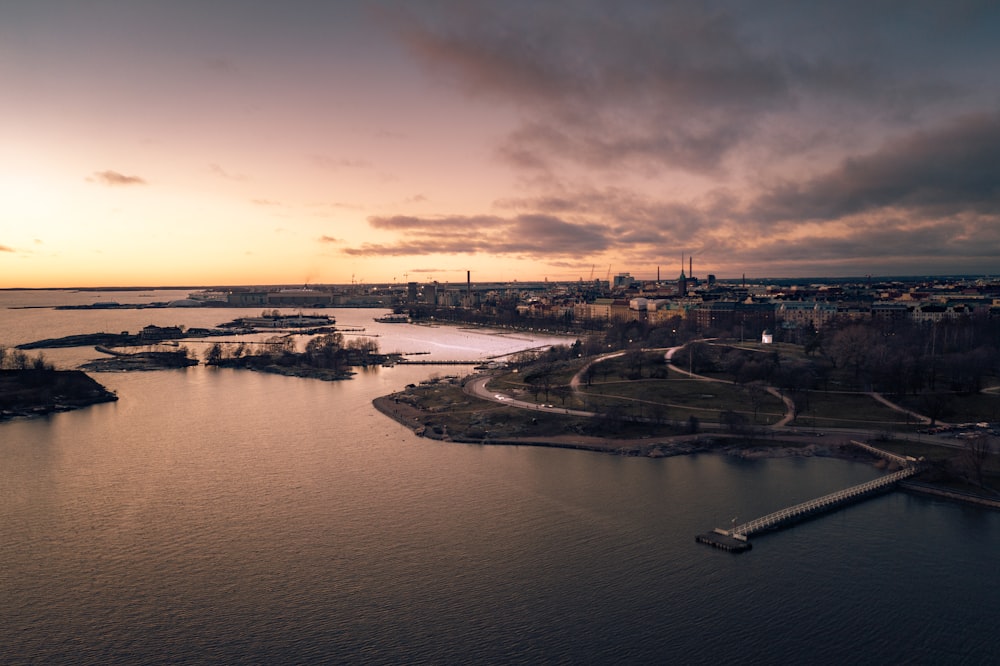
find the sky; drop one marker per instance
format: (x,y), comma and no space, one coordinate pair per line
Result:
(234,142)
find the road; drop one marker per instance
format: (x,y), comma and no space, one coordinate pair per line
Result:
(477,387)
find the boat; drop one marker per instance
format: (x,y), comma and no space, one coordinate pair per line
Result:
(393,319)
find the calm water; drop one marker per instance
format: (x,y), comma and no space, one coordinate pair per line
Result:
(221,516)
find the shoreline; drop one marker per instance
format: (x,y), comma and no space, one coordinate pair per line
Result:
(652,447)
(36,393)
(789,446)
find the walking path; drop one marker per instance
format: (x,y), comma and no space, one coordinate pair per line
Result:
(478,388)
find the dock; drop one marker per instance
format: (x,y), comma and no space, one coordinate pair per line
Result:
(737,539)
(406,361)
(719,538)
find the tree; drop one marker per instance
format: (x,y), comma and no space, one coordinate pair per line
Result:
(214,354)
(734,422)
(17,360)
(634,359)
(851,347)
(38,363)
(321,351)
(935,405)
(977,451)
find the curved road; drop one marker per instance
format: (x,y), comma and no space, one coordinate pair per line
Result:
(477,388)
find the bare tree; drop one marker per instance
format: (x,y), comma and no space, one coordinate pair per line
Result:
(977,451)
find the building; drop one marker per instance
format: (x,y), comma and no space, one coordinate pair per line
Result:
(795,314)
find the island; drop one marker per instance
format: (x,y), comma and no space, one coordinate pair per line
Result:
(35,392)
(326,356)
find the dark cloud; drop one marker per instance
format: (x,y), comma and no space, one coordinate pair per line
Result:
(221,65)
(113,178)
(672,83)
(683,83)
(530,235)
(775,110)
(329,239)
(893,245)
(943,171)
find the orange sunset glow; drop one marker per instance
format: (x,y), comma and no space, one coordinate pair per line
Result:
(182,143)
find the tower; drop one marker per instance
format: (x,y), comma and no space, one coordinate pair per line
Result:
(682,280)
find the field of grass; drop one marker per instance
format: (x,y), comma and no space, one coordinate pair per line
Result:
(963,408)
(678,399)
(846,410)
(460,415)
(652,389)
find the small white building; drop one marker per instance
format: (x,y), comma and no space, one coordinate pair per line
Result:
(766,337)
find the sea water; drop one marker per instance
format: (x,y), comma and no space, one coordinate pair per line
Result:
(224,516)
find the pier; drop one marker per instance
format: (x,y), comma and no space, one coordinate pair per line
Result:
(406,361)
(737,538)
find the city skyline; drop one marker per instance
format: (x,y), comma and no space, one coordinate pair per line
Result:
(251,143)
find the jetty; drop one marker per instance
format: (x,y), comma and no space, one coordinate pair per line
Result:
(406,361)
(737,539)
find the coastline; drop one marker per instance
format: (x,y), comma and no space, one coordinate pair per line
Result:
(421,423)
(34,393)
(415,419)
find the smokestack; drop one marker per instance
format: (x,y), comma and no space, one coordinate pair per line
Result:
(468,283)
(657,273)
(690,269)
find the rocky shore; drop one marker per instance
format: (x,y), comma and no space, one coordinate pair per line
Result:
(28,393)
(423,423)
(154,360)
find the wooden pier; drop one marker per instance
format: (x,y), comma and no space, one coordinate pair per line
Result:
(406,361)
(731,539)
(718,538)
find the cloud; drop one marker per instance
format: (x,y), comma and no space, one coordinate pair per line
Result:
(946,170)
(219,171)
(528,235)
(892,245)
(221,65)
(673,84)
(329,239)
(265,202)
(113,178)
(811,140)
(6,248)
(691,85)
(334,164)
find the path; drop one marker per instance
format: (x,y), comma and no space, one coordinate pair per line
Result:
(477,387)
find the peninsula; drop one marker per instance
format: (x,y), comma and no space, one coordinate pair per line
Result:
(699,397)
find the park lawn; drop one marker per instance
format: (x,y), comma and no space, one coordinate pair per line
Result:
(685,397)
(448,406)
(964,408)
(450,409)
(845,410)
(565,371)
(651,364)
(929,451)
